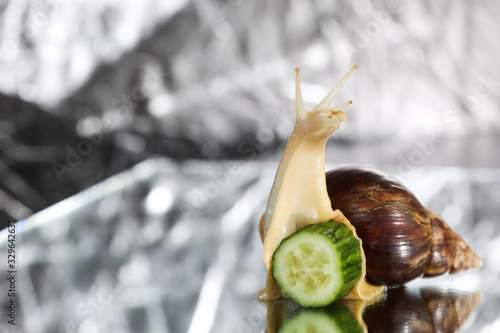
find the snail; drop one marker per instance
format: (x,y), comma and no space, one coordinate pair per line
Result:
(402,240)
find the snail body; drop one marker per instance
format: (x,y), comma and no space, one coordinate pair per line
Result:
(299,196)
(402,240)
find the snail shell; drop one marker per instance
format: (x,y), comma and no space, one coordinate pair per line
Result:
(402,240)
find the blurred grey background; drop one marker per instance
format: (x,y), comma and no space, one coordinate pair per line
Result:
(90,88)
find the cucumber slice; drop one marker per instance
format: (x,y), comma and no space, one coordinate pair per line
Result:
(333,319)
(318,265)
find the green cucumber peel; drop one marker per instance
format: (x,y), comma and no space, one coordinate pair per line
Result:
(319,264)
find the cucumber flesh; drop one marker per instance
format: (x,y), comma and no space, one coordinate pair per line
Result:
(332,319)
(318,265)
(309,321)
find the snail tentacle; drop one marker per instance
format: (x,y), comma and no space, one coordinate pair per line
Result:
(331,95)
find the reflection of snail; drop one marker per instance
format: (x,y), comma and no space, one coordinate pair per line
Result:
(402,240)
(424,310)
(401,310)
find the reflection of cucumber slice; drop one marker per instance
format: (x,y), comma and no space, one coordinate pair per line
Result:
(335,318)
(318,265)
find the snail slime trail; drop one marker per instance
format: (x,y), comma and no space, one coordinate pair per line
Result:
(299,194)
(306,257)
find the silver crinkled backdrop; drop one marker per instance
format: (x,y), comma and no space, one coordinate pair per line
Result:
(211,72)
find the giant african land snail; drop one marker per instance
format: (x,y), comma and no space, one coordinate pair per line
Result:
(401,239)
